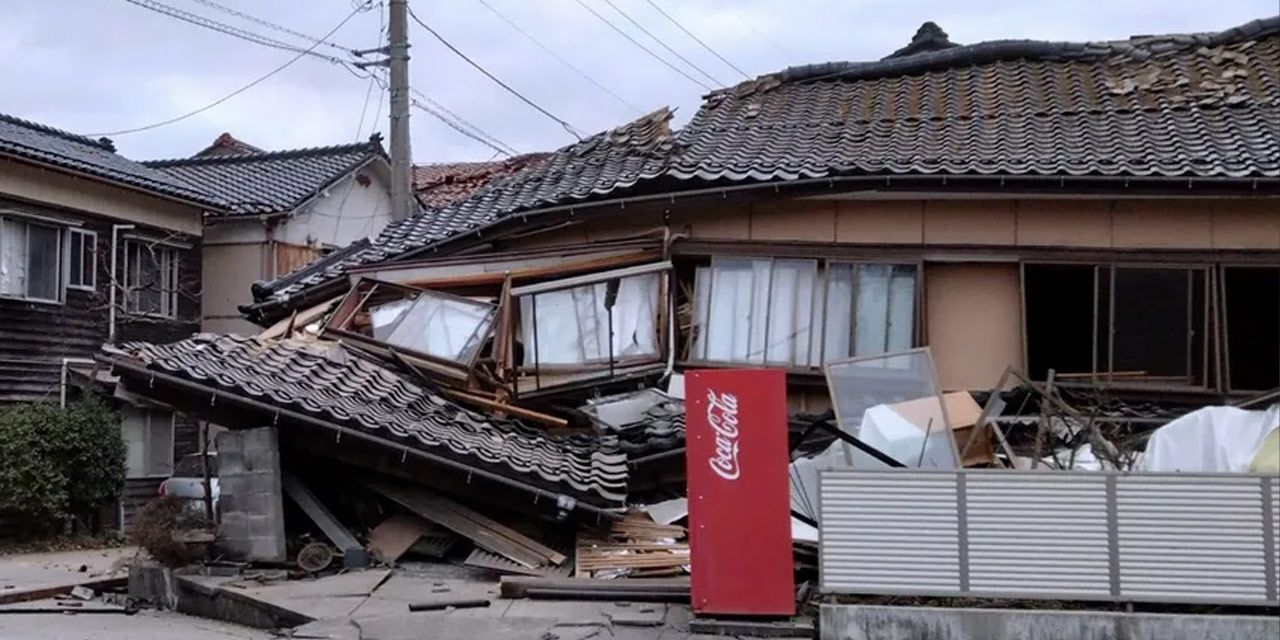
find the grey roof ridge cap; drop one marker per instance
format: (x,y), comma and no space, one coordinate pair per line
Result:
(286,154)
(996,50)
(102,143)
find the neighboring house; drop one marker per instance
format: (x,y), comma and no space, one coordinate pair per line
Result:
(81,228)
(441,184)
(1104,210)
(285,208)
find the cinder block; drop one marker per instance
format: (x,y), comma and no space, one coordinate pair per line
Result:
(266,525)
(267,548)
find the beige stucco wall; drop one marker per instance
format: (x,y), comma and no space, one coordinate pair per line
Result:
(973,322)
(229,270)
(46,186)
(344,213)
(1086,223)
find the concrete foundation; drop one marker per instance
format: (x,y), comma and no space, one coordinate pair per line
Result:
(250,502)
(857,622)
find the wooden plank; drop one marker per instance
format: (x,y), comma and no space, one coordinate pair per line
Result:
(509,409)
(485,533)
(298,320)
(333,530)
(396,535)
(49,591)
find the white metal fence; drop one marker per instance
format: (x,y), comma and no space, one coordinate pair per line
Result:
(1155,537)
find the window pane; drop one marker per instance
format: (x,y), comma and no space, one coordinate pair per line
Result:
(902,306)
(872,329)
(701,299)
(43,263)
(736,304)
(839,314)
(13,257)
(90,260)
(160,444)
(790,312)
(76,247)
(442,327)
(573,325)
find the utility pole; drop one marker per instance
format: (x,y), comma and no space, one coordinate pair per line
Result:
(401,157)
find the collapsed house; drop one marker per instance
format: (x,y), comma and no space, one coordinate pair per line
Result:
(1099,217)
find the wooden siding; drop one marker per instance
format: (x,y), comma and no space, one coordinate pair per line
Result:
(35,336)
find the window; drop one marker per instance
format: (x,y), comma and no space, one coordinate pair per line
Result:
(1121,323)
(790,313)
(83,250)
(593,324)
(151,278)
(434,324)
(1251,302)
(148,440)
(30,260)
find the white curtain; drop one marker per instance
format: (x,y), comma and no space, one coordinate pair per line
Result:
(573,325)
(13,257)
(755,311)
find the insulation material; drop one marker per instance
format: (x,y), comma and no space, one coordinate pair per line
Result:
(1221,439)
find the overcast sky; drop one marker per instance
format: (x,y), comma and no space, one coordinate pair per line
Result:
(93,66)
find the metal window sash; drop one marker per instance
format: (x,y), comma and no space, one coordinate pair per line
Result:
(58,275)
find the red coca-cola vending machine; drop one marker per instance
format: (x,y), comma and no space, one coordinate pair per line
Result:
(739,495)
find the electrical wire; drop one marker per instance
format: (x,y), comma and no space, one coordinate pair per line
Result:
(697,39)
(642,47)
(764,36)
(233,94)
(364,6)
(567,127)
(249,36)
(436,106)
(557,56)
(662,43)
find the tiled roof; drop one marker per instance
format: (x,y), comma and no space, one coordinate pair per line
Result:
(1204,105)
(41,143)
(441,184)
(1184,106)
(227,144)
(599,165)
(271,181)
(325,381)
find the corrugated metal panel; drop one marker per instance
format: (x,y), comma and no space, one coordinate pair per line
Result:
(883,532)
(1190,537)
(1036,534)
(1206,538)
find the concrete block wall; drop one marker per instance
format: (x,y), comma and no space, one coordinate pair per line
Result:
(250,501)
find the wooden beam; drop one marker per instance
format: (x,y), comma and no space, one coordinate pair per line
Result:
(49,591)
(510,409)
(285,326)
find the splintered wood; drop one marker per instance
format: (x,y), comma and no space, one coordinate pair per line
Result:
(636,546)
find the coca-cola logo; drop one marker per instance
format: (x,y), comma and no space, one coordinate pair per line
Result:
(722,415)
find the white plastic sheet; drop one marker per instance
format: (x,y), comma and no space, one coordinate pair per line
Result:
(1223,439)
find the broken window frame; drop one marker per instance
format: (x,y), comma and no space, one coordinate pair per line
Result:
(612,364)
(1103,373)
(820,299)
(363,291)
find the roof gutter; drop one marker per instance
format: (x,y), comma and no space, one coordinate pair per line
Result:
(49,166)
(561,500)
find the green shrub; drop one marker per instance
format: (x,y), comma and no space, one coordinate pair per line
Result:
(58,463)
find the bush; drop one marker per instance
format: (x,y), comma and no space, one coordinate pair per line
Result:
(59,463)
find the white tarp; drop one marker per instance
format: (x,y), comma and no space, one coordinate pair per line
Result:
(1210,439)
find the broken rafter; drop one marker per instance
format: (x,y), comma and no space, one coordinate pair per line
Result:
(510,409)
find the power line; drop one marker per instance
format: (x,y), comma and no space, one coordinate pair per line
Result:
(764,36)
(642,47)
(663,44)
(567,127)
(557,56)
(697,39)
(460,129)
(233,94)
(436,106)
(279,28)
(208,23)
